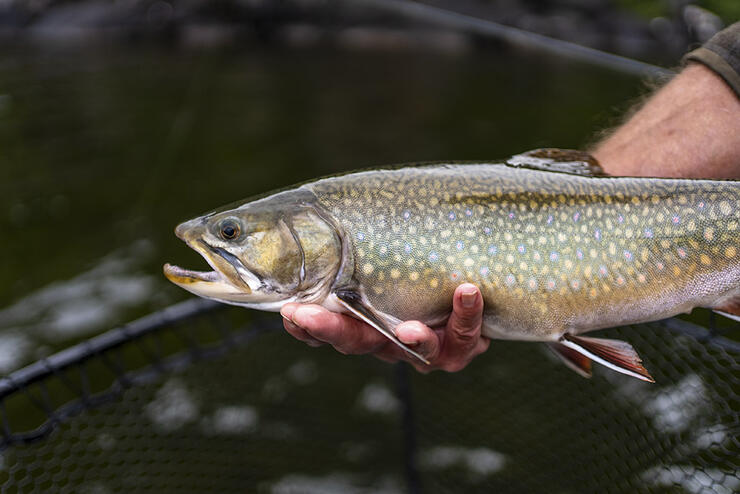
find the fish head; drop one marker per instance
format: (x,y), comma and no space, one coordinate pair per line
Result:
(264,253)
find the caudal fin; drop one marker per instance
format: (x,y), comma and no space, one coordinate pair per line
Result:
(616,354)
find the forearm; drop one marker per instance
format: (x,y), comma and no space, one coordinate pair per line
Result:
(689,128)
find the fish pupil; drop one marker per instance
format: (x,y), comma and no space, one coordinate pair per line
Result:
(229,231)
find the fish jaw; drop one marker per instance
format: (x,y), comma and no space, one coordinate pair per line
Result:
(208,284)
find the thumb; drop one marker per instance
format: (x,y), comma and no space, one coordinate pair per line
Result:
(467,315)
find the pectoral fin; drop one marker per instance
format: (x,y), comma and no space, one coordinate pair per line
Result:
(573,359)
(615,354)
(353,302)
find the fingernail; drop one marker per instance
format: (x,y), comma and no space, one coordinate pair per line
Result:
(468,297)
(287,312)
(410,335)
(303,313)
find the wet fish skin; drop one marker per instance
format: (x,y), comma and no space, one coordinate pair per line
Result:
(551,252)
(556,248)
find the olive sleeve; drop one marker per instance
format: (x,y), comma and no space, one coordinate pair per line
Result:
(722,55)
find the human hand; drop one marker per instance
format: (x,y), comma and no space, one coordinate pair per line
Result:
(449,348)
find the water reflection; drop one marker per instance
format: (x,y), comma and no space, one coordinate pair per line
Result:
(173,407)
(478,462)
(334,483)
(76,307)
(693,480)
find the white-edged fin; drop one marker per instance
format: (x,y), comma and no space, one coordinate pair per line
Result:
(573,359)
(727,315)
(353,303)
(615,354)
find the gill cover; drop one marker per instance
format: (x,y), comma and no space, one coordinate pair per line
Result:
(264,253)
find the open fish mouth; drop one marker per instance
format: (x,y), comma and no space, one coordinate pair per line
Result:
(230,280)
(179,275)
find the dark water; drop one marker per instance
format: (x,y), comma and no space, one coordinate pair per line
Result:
(103,151)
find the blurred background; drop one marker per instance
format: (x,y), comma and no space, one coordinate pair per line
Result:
(119,119)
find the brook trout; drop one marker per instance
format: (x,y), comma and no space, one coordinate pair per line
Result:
(557,248)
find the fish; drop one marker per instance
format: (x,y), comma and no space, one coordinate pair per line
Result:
(557,247)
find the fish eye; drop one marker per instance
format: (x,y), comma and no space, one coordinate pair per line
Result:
(229,230)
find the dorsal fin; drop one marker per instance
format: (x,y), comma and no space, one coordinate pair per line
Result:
(558,160)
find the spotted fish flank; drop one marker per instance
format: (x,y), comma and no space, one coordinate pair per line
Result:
(557,248)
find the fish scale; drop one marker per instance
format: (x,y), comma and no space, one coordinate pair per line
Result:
(556,247)
(549,251)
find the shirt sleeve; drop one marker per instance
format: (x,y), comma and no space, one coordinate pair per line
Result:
(722,55)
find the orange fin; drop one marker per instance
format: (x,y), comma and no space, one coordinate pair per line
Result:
(729,308)
(573,359)
(615,354)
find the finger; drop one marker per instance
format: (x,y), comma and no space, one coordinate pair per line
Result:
(419,338)
(462,338)
(299,333)
(345,333)
(467,315)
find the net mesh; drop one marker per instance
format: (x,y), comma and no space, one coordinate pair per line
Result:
(203,398)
